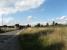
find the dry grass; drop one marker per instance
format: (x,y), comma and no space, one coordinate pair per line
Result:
(35,30)
(49,37)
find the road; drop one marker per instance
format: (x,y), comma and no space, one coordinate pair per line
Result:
(9,41)
(10,33)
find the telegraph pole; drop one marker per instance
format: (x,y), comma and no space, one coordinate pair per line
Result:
(2,20)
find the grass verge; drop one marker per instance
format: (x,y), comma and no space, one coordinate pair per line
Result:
(43,39)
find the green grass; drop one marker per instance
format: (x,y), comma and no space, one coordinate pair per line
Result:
(49,38)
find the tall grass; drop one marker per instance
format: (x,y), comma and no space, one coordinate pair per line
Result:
(53,38)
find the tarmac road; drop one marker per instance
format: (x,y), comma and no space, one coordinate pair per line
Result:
(10,33)
(9,41)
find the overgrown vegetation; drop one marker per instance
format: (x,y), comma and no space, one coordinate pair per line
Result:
(52,38)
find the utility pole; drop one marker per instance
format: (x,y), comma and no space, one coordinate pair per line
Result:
(2,20)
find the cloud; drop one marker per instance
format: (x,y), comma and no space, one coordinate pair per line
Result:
(6,20)
(13,6)
(43,23)
(29,18)
(62,19)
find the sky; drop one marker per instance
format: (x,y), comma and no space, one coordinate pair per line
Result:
(33,11)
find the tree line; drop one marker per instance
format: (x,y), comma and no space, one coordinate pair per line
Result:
(37,25)
(48,25)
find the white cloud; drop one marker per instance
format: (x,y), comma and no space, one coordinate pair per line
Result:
(62,22)
(6,20)
(41,22)
(12,6)
(29,18)
(62,19)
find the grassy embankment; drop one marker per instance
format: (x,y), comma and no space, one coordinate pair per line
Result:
(4,30)
(54,38)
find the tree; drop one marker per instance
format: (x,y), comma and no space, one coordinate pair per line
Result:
(47,24)
(4,25)
(53,24)
(28,25)
(17,25)
(56,24)
(38,25)
(42,25)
